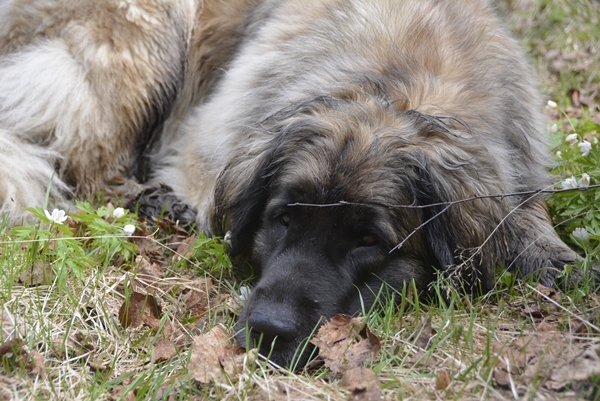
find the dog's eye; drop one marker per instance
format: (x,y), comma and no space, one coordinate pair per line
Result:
(285,219)
(367,240)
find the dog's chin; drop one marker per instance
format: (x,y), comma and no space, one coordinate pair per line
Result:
(292,355)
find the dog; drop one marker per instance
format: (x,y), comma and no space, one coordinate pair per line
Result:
(350,147)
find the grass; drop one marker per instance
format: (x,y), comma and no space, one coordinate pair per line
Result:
(62,287)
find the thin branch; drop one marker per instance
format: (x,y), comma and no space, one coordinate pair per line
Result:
(418,228)
(472,198)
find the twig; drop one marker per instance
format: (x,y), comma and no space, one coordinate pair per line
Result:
(472,198)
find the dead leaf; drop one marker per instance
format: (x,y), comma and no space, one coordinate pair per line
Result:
(163,350)
(543,293)
(579,369)
(38,368)
(185,246)
(196,299)
(442,380)
(423,334)
(40,273)
(138,309)
(346,343)
(12,348)
(552,357)
(362,383)
(147,271)
(214,357)
(548,325)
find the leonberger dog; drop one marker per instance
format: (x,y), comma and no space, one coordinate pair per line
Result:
(350,147)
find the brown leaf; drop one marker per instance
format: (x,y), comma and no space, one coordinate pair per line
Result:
(555,359)
(579,369)
(38,368)
(196,299)
(423,333)
(547,325)
(362,383)
(442,380)
(346,343)
(39,274)
(163,350)
(138,309)
(185,246)
(147,271)
(207,353)
(543,293)
(12,348)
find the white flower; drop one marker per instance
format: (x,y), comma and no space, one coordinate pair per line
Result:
(227,238)
(552,104)
(129,229)
(118,212)
(584,181)
(572,139)
(581,235)
(57,216)
(559,154)
(553,128)
(570,183)
(585,147)
(245,293)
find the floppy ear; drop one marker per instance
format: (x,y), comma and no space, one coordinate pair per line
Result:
(438,232)
(465,239)
(240,199)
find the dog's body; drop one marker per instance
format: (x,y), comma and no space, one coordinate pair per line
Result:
(258,113)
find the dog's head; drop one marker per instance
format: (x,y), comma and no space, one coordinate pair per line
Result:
(315,211)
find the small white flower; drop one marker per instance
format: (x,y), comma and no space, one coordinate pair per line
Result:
(227,238)
(129,229)
(585,147)
(245,293)
(559,154)
(572,139)
(584,181)
(118,212)
(553,128)
(57,216)
(552,104)
(581,235)
(570,183)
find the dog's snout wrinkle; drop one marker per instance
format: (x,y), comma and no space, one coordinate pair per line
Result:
(273,326)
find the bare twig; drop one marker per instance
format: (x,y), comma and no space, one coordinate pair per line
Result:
(472,198)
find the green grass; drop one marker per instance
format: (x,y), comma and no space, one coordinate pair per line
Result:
(61,286)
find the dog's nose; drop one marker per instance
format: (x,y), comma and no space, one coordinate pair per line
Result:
(272,326)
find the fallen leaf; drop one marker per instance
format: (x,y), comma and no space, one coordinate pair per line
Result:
(38,368)
(163,350)
(215,358)
(442,380)
(362,383)
(139,308)
(553,358)
(346,343)
(40,273)
(147,271)
(423,334)
(185,246)
(196,299)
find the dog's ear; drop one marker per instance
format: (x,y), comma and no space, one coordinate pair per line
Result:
(449,166)
(240,198)
(437,228)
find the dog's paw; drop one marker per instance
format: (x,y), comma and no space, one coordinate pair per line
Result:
(161,202)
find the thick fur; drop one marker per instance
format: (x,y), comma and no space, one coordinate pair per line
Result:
(259,114)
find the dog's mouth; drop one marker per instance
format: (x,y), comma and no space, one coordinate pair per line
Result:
(290,354)
(281,341)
